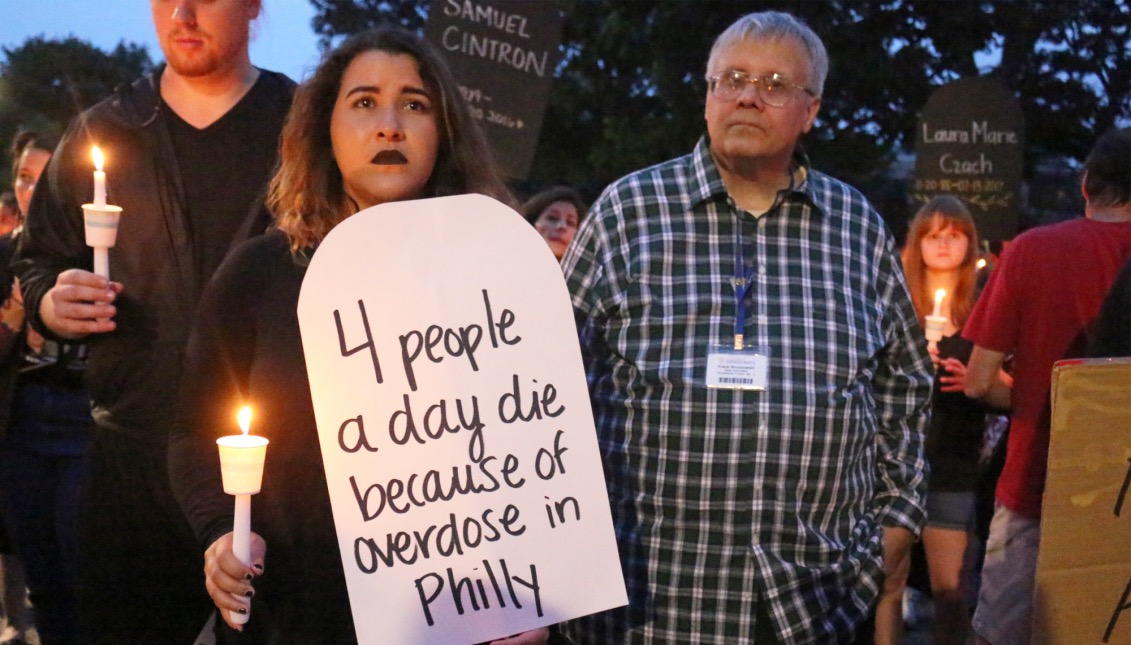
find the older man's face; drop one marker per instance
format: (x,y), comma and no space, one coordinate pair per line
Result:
(746,133)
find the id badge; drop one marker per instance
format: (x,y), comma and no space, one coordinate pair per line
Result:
(738,369)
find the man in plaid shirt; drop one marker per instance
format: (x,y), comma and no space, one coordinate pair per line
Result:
(759,380)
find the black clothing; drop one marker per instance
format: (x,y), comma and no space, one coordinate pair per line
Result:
(213,163)
(954,438)
(141,577)
(10,342)
(137,550)
(132,372)
(1111,332)
(46,433)
(246,347)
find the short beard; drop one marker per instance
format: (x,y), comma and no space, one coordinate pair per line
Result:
(197,67)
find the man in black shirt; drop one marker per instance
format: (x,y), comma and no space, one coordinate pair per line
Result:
(189,152)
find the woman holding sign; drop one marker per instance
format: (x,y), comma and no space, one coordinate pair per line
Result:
(940,259)
(381,120)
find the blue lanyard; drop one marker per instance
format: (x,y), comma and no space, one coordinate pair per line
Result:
(743,277)
(743,282)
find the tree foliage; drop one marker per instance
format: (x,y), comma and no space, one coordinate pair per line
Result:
(44,82)
(630,90)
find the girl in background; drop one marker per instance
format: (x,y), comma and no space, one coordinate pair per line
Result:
(942,253)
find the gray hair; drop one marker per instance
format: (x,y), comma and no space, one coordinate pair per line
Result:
(777,25)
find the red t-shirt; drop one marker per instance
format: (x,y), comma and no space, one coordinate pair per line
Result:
(1038,305)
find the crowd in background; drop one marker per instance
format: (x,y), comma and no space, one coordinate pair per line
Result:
(785,509)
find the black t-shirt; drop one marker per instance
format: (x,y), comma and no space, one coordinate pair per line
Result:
(246,346)
(222,167)
(954,438)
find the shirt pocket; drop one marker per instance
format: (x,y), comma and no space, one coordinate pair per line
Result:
(847,338)
(666,321)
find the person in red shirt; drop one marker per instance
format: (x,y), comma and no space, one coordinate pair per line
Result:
(1038,306)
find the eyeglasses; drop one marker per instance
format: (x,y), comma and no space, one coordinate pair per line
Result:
(773,89)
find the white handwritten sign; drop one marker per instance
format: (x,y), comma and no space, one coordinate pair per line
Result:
(455,425)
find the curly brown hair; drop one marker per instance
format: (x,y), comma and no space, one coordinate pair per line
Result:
(307,196)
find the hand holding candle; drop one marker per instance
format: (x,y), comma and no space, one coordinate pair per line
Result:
(101,219)
(936,322)
(241,467)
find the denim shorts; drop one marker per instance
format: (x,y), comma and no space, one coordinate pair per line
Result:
(951,510)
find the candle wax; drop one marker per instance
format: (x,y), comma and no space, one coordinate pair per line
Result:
(99,188)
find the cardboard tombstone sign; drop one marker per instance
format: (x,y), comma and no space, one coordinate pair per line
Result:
(970,143)
(503,53)
(455,425)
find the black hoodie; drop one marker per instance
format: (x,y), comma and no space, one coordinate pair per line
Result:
(132,373)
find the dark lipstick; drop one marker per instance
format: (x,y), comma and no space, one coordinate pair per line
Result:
(389,158)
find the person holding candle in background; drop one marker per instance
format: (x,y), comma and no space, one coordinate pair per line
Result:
(188,151)
(16,622)
(1038,305)
(43,455)
(19,412)
(380,120)
(940,260)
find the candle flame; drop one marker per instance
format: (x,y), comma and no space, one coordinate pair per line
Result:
(981,264)
(98,159)
(939,295)
(245,419)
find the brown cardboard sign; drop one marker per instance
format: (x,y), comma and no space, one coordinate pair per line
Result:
(1083,590)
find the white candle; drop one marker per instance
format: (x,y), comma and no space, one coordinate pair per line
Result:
(241,541)
(939,295)
(100,220)
(99,178)
(241,466)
